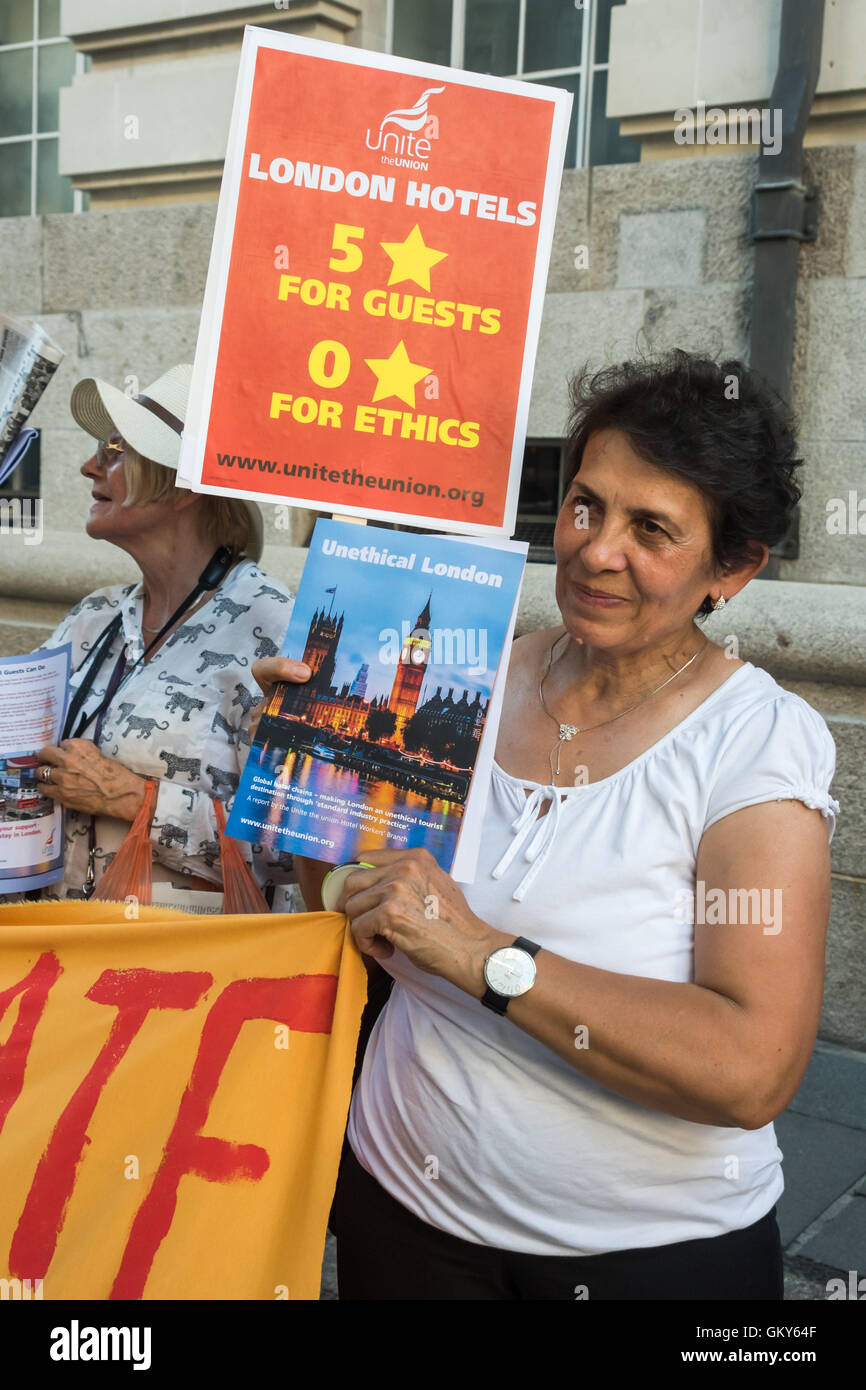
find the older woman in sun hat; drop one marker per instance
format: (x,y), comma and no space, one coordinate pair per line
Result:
(161,686)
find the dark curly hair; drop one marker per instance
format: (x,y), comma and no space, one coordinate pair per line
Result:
(740,452)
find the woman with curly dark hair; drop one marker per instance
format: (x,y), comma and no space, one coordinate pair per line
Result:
(571,1090)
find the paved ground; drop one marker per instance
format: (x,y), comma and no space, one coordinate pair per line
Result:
(822,1213)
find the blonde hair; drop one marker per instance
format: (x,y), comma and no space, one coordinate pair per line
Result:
(223,520)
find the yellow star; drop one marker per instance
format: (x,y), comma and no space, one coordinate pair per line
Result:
(397,376)
(412,259)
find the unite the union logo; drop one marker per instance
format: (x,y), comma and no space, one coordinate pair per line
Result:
(410,144)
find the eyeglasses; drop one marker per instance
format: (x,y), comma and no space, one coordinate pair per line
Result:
(107,453)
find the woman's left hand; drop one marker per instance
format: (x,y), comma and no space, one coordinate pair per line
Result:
(407,902)
(83,779)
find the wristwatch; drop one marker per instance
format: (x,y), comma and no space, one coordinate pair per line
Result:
(509,972)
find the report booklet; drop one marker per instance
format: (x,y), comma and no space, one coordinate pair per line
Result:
(390,743)
(33,691)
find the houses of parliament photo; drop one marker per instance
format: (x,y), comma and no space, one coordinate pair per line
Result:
(394,734)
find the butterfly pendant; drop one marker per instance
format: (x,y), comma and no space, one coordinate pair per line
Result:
(566,734)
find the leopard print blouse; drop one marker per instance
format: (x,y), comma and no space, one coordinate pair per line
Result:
(182,719)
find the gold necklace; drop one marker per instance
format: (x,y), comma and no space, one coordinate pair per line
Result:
(568,731)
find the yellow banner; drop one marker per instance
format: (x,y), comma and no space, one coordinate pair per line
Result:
(173,1098)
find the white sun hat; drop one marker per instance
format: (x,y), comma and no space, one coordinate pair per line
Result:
(151,423)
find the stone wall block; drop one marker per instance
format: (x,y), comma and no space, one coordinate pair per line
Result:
(832,470)
(575,328)
(710,319)
(661,249)
(126,257)
(848,848)
(720,187)
(21,266)
(116,345)
(797,631)
(855,248)
(572,230)
(833,399)
(843,1018)
(830,170)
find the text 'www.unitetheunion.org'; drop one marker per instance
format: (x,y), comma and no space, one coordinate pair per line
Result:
(350,477)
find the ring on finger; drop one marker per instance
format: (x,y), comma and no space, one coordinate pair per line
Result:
(46,773)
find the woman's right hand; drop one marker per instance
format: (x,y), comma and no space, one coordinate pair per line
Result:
(270,671)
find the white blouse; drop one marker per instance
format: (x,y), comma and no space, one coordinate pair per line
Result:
(183,719)
(483,1132)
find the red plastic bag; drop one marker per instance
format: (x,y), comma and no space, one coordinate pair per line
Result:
(130,873)
(241,893)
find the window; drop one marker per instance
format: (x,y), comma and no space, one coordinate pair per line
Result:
(423,30)
(557,42)
(24,483)
(542,488)
(35,62)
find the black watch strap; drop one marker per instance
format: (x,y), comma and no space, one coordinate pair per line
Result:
(499,1002)
(530,947)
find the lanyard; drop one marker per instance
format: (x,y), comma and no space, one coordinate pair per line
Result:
(210,578)
(96,656)
(113,685)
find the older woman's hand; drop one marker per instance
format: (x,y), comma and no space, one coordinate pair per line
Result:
(270,671)
(407,902)
(83,779)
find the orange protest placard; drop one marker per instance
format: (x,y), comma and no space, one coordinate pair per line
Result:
(375,288)
(173,1099)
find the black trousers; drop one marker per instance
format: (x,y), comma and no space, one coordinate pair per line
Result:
(385,1252)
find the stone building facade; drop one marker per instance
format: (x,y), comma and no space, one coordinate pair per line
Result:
(647,254)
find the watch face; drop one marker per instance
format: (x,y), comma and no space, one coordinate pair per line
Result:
(332,885)
(510,971)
